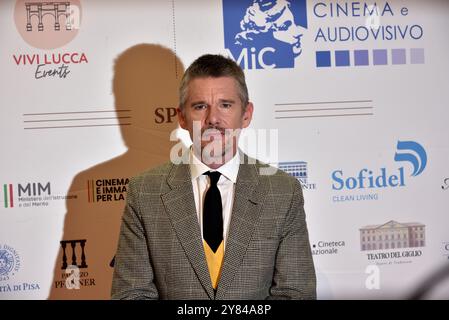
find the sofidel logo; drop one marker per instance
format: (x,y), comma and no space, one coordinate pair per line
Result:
(417,155)
(407,151)
(264,34)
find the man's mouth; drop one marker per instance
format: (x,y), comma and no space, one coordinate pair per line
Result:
(213,134)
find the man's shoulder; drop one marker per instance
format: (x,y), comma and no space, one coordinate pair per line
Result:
(160,170)
(278,181)
(152,175)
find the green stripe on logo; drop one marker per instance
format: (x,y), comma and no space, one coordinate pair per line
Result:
(5,192)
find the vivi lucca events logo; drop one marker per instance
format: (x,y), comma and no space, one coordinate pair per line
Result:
(371,179)
(264,34)
(48,25)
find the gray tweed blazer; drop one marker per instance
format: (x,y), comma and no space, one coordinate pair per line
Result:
(160,253)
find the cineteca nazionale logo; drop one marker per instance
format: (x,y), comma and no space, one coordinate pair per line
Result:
(48,26)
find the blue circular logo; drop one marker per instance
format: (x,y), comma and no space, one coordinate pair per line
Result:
(9,261)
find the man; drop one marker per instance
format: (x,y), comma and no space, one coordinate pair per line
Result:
(214,228)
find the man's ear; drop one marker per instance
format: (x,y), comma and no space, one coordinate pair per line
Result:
(181,118)
(247,115)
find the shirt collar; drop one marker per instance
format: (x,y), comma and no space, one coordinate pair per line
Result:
(230,169)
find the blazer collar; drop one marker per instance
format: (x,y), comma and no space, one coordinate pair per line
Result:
(180,206)
(248,200)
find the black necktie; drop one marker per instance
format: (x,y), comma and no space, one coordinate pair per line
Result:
(212,213)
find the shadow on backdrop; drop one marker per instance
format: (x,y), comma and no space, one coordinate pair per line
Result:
(145,87)
(431,284)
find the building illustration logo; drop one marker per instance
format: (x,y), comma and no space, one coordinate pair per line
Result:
(392,235)
(73,260)
(47,24)
(298,169)
(264,34)
(55,9)
(81,263)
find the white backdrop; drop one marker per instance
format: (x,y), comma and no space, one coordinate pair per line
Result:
(84,109)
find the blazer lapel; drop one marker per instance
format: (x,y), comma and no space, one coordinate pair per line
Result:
(180,206)
(248,201)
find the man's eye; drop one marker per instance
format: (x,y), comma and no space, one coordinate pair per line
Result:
(226,105)
(199,106)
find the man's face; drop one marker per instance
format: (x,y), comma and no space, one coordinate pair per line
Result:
(213,105)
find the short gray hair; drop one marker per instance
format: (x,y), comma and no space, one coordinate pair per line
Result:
(210,65)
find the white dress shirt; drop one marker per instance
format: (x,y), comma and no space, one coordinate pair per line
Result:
(226,185)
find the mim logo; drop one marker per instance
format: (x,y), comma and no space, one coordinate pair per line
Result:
(264,34)
(407,151)
(25,192)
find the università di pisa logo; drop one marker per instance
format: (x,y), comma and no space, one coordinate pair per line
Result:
(48,25)
(9,266)
(9,262)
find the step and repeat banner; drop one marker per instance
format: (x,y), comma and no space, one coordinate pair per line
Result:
(350,96)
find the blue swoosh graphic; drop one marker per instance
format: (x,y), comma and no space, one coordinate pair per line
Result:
(418,166)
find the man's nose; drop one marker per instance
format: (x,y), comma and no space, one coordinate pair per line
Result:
(213,116)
